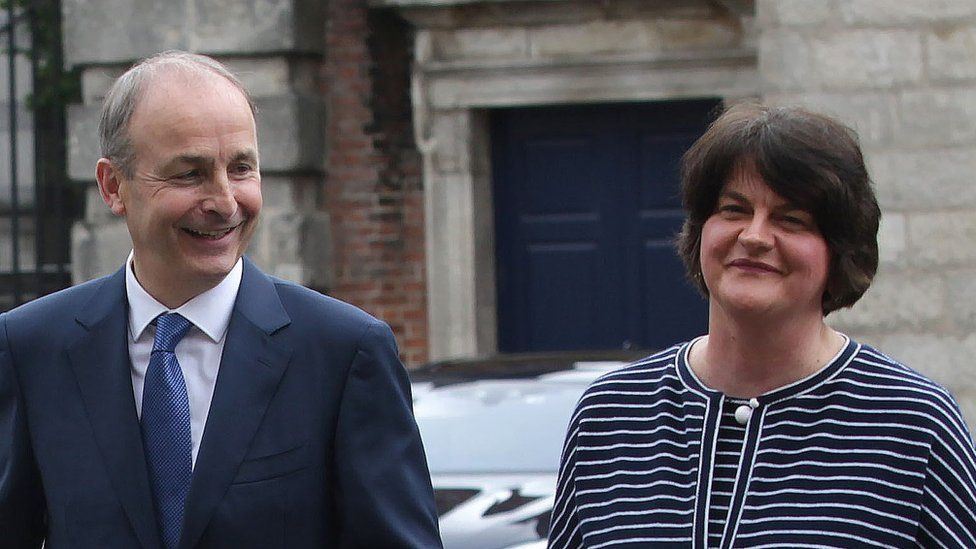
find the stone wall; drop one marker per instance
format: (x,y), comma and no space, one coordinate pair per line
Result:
(903,74)
(275,47)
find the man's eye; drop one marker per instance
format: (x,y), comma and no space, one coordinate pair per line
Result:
(187,175)
(242,169)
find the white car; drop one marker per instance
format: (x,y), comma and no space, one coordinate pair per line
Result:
(493,431)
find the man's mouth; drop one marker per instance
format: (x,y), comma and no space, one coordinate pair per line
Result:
(210,235)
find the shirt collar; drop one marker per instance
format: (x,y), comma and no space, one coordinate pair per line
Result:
(209,311)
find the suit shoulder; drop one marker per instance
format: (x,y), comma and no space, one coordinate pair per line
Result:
(57,304)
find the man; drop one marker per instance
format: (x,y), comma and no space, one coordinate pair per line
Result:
(189,400)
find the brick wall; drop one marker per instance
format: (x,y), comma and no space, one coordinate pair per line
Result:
(373,186)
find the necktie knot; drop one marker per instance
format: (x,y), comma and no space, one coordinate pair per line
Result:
(170,329)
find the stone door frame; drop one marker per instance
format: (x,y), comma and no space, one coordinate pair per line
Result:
(451,100)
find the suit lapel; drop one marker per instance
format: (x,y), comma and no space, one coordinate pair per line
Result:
(101,364)
(250,369)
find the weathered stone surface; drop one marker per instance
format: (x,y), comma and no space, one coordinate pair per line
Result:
(480,43)
(95,82)
(632,36)
(98,250)
(785,63)
(942,239)
(275,244)
(697,34)
(636,81)
(870,113)
(317,249)
(771,13)
(896,300)
(940,116)
(962,289)
(452,153)
(291,132)
(886,12)
(595,37)
(235,26)
(923,179)
(867,58)
(892,237)
(945,359)
(107,31)
(952,54)
(451,266)
(83,148)
(460,266)
(263,77)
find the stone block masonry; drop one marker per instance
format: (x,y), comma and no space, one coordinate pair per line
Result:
(903,74)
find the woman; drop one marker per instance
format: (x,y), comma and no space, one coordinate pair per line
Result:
(772,430)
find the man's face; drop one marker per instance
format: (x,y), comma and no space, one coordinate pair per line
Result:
(194,197)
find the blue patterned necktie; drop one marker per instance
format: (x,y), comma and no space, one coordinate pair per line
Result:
(166,428)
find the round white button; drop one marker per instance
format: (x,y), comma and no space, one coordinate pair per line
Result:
(742,414)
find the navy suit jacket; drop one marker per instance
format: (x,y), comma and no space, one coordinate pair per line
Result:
(310,440)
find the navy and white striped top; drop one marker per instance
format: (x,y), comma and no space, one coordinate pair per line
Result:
(864,453)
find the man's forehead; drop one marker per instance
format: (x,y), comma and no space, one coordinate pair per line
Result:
(179,81)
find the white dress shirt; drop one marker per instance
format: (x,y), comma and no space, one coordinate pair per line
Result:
(198,352)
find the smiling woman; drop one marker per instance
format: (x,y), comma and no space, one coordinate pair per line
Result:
(772,429)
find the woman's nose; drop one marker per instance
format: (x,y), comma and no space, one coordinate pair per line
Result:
(757,235)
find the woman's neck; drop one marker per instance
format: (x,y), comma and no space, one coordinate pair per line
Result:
(745,360)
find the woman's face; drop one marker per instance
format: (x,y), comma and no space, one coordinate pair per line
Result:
(760,254)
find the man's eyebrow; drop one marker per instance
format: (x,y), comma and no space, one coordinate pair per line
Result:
(249,155)
(185,159)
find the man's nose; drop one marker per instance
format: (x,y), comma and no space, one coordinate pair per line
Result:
(220,197)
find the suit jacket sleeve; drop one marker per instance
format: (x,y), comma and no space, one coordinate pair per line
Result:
(384,495)
(21,497)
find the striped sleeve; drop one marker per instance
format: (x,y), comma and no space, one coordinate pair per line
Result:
(948,513)
(564,530)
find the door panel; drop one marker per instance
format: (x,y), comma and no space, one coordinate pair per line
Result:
(586,210)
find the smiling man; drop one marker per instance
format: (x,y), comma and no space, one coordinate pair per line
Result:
(189,400)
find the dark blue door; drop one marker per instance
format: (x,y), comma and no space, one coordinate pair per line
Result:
(587,206)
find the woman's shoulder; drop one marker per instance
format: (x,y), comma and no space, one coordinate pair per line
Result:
(900,386)
(651,379)
(646,370)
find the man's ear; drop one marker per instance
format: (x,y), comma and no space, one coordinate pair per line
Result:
(109,182)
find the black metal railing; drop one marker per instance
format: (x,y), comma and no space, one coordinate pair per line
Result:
(38,203)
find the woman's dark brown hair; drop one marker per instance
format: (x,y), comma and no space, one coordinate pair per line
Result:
(810,160)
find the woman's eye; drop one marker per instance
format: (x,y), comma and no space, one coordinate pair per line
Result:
(731,208)
(794,220)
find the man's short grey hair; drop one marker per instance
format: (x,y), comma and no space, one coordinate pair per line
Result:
(122,98)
